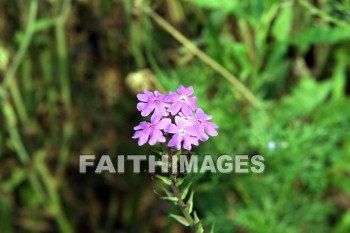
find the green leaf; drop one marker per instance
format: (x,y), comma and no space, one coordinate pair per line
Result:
(344,224)
(163,179)
(185,191)
(168,193)
(44,24)
(180,219)
(226,5)
(198,224)
(212,228)
(196,219)
(173,199)
(179,182)
(321,34)
(339,76)
(308,95)
(283,24)
(190,202)
(17,177)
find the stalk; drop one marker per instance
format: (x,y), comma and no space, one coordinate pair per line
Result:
(193,222)
(181,204)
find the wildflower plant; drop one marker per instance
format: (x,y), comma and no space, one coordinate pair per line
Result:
(177,124)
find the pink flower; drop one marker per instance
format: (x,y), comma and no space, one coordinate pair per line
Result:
(184,126)
(152,101)
(151,130)
(182,101)
(182,133)
(201,125)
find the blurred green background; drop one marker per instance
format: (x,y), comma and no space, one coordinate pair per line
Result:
(69,74)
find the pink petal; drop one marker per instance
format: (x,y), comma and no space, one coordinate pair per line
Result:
(138,127)
(142,97)
(162,124)
(192,130)
(192,103)
(170,97)
(187,145)
(181,89)
(200,115)
(186,110)
(210,128)
(147,110)
(155,118)
(180,122)
(189,90)
(143,139)
(141,106)
(156,136)
(171,129)
(202,135)
(175,141)
(178,142)
(137,134)
(175,108)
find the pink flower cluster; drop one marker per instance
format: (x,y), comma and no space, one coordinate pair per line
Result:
(175,119)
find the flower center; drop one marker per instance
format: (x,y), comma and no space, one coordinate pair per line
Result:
(199,122)
(183,99)
(157,101)
(182,132)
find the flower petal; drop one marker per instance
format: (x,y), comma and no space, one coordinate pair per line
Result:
(143,139)
(162,124)
(138,127)
(171,128)
(175,141)
(175,108)
(189,91)
(210,128)
(201,115)
(192,103)
(181,89)
(141,106)
(145,96)
(186,110)
(155,118)
(180,122)
(147,110)
(137,134)
(156,136)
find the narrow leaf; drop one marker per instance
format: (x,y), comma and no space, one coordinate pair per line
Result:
(185,191)
(163,179)
(190,202)
(180,219)
(179,182)
(212,228)
(168,193)
(173,199)
(196,219)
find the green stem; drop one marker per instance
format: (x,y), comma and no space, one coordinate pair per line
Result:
(175,189)
(182,205)
(8,80)
(64,82)
(55,201)
(33,9)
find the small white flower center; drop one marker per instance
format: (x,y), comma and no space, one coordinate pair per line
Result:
(182,132)
(157,101)
(183,99)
